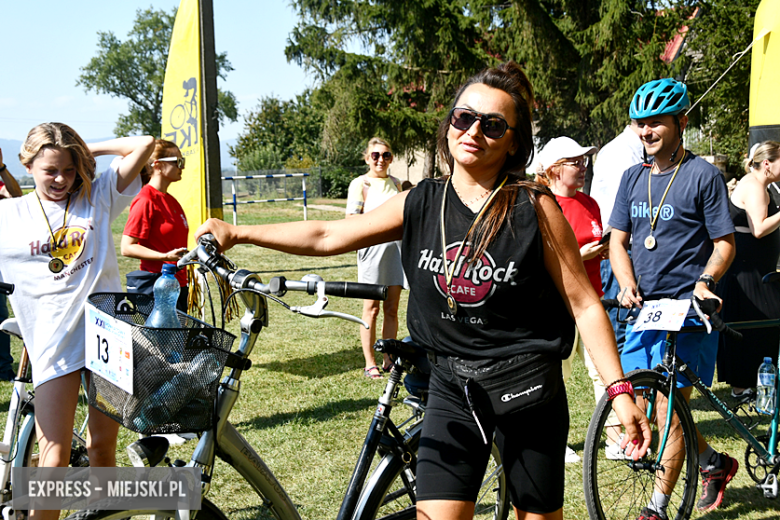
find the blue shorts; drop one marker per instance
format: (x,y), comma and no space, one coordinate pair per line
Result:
(646,350)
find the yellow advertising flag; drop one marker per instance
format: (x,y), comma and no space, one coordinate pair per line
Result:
(182,109)
(765,74)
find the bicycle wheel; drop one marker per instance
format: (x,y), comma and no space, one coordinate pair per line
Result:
(619,488)
(390,491)
(208,511)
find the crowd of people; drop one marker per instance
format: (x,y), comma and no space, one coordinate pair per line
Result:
(503,272)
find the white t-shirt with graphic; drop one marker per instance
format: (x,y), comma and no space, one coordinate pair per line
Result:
(50,306)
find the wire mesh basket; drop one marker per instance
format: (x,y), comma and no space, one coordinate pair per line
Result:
(176,372)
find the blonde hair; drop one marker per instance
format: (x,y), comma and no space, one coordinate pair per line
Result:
(63,137)
(768,150)
(379,141)
(161,149)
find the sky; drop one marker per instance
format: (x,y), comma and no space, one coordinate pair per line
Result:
(46,42)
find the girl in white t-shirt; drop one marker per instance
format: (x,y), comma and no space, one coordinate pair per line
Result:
(57,250)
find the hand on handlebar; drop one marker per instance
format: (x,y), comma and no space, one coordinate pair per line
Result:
(224,233)
(701,291)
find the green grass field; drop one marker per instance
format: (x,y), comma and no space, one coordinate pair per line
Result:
(305,404)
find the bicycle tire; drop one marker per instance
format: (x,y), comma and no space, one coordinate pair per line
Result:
(613,489)
(208,511)
(388,497)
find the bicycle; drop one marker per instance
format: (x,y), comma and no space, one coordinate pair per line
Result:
(617,487)
(19,447)
(224,441)
(390,491)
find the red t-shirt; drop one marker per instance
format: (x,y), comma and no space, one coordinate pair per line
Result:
(584,216)
(158,222)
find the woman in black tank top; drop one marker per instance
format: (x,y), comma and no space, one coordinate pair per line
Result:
(494,271)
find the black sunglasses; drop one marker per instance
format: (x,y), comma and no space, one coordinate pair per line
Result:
(493,127)
(386,156)
(180,161)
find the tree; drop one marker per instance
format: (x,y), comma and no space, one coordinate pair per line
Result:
(135,70)
(415,55)
(722,30)
(287,130)
(585,59)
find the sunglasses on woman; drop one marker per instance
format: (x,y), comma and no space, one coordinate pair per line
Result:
(178,160)
(386,156)
(493,127)
(582,162)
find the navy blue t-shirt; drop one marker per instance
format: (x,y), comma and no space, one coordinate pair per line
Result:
(694,213)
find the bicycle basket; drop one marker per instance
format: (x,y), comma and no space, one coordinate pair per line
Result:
(176,372)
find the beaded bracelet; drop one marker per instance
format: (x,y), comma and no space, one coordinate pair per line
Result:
(624,387)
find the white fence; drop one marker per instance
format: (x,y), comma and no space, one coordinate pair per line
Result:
(236,202)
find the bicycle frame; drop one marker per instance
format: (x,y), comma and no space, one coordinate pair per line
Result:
(380,424)
(9,447)
(672,364)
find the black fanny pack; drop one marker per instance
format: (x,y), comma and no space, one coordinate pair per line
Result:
(504,386)
(142,282)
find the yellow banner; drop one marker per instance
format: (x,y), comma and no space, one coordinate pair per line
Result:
(181,112)
(765,66)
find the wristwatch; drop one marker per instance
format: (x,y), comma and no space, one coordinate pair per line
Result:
(3,168)
(708,280)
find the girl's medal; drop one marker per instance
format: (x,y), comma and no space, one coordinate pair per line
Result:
(56,265)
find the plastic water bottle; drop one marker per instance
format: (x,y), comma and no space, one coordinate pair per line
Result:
(766,398)
(166,294)
(163,315)
(166,401)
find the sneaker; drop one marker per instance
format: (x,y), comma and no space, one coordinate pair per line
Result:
(571,456)
(713,483)
(649,514)
(746,395)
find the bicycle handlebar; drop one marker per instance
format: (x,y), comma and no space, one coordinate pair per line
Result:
(707,307)
(207,254)
(6,288)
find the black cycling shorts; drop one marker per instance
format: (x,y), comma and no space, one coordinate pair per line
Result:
(453,456)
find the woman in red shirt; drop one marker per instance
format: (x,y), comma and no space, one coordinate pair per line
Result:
(156,231)
(562,166)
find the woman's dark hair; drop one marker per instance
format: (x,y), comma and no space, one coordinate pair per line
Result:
(510,78)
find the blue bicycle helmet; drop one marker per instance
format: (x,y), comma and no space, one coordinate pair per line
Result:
(662,96)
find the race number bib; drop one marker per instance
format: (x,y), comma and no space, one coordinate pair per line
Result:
(109,348)
(662,315)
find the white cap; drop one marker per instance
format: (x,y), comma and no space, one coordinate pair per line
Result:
(561,148)
(753,151)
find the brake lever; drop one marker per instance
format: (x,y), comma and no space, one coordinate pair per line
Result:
(699,312)
(317,309)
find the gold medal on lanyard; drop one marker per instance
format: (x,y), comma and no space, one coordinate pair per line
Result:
(56,265)
(450,273)
(650,241)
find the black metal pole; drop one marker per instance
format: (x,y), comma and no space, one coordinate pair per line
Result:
(210,120)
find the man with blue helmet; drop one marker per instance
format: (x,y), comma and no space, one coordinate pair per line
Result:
(676,210)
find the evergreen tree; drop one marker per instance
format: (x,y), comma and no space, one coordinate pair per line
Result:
(413,55)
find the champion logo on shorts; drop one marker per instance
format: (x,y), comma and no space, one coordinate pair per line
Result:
(472,284)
